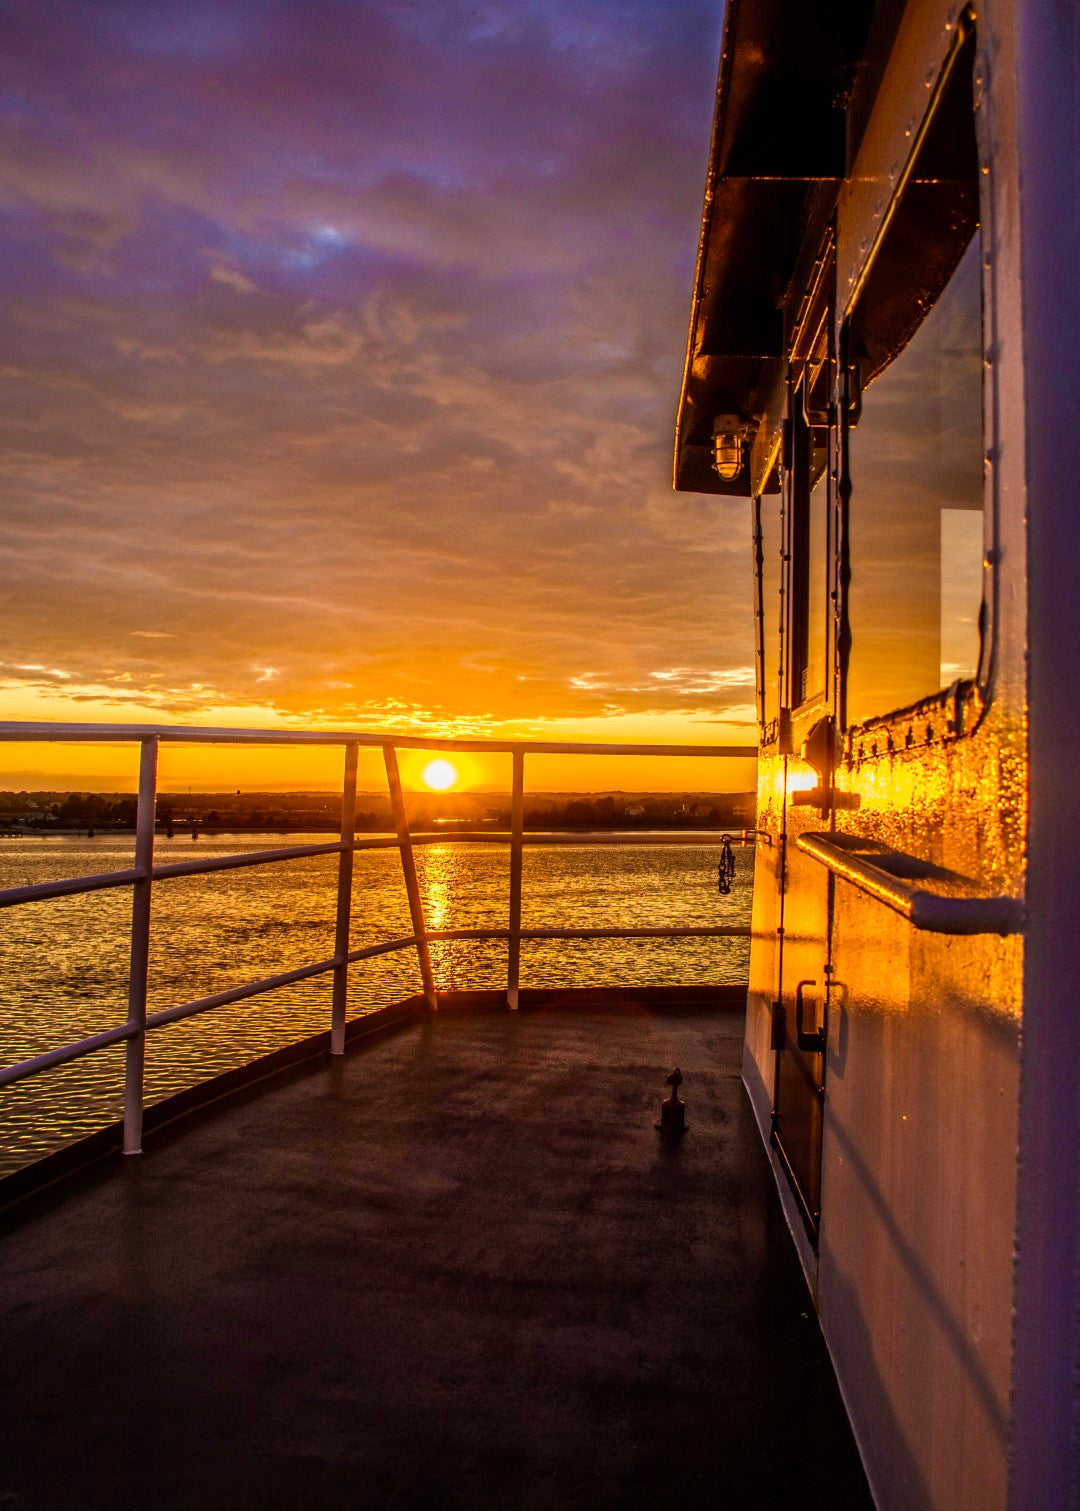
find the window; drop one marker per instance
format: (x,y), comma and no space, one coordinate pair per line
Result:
(915,449)
(811,533)
(768,610)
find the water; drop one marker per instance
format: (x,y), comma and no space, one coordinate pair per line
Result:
(64,963)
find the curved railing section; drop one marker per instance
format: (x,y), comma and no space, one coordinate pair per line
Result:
(144,874)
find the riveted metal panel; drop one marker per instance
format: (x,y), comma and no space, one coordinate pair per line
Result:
(919,1171)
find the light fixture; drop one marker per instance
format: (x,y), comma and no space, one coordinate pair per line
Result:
(729,431)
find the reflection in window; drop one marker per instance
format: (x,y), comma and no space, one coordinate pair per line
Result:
(810,535)
(961,592)
(817,596)
(772,545)
(916,531)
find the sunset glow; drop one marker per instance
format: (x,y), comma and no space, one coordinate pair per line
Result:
(341,353)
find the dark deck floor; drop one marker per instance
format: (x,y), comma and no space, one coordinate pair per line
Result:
(457,1270)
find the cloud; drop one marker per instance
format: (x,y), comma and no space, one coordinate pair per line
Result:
(231,278)
(348,346)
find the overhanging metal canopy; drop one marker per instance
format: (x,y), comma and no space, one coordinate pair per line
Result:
(779,149)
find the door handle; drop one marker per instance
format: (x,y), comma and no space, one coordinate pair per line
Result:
(814,1041)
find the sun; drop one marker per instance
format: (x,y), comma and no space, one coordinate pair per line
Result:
(440,775)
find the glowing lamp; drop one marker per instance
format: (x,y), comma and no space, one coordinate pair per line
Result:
(727,446)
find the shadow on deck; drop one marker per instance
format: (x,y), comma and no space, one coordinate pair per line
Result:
(457,1269)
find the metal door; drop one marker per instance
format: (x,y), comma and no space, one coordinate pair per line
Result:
(799,1023)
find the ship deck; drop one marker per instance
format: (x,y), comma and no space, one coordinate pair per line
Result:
(458,1268)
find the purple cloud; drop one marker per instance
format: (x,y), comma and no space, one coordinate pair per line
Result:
(344,339)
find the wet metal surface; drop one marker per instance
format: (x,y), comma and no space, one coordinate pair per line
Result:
(459,1269)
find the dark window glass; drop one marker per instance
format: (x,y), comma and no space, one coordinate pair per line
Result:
(811,538)
(772,545)
(818,584)
(915,453)
(916,524)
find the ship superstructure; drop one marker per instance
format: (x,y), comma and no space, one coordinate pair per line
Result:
(882,358)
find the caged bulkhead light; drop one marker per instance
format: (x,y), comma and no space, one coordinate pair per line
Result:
(728,440)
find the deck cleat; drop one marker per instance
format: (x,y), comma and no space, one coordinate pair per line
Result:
(672,1110)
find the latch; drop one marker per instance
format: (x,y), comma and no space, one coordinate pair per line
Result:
(819,748)
(825,798)
(813,1041)
(819,751)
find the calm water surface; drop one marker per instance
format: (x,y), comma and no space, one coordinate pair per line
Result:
(64,963)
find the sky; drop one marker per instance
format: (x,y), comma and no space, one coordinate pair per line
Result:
(343,341)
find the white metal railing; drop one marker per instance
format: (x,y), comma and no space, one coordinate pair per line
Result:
(144,873)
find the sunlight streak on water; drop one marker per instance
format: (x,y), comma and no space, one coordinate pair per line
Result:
(65,962)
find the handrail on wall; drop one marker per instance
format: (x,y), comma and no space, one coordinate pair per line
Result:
(934,912)
(143,874)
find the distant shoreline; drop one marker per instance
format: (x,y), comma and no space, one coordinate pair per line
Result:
(315,813)
(183,830)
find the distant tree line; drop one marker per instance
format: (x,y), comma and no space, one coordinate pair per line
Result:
(71,810)
(622,812)
(213,812)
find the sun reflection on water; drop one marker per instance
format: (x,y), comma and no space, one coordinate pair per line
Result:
(65,961)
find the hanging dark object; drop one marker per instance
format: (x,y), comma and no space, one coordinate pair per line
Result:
(725,871)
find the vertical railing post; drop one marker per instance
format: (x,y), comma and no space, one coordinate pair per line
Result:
(408,866)
(517,824)
(344,903)
(135,1048)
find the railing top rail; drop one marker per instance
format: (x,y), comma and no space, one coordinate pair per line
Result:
(196,734)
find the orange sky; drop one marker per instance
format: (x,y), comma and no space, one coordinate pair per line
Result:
(342,356)
(112,767)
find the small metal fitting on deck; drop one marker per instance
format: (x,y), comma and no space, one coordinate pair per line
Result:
(672,1110)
